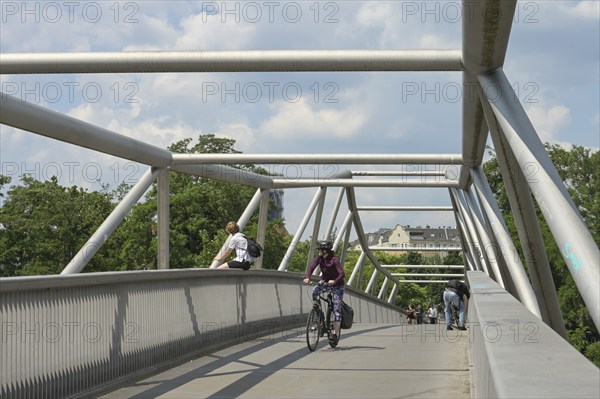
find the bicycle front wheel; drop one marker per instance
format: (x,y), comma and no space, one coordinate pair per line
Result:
(313,326)
(333,341)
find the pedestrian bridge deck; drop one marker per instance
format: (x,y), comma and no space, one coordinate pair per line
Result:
(371,361)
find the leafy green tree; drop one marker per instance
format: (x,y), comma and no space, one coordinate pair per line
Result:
(592,352)
(3,181)
(453,258)
(277,241)
(579,168)
(45,225)
(137,235)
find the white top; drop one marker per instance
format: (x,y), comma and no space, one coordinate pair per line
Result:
(239,243)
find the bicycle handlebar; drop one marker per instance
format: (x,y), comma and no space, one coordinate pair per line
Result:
(322,283)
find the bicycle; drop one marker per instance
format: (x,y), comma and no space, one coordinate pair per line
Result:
(454,314)
(455,317)
(319,323)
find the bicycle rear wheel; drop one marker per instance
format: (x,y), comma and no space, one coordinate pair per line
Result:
(313,327)
(455,316)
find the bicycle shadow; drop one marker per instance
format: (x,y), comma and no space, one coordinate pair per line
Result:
(356,347)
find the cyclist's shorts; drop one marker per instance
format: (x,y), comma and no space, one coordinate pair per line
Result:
(234,264)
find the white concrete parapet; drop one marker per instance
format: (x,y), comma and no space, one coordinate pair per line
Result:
(516,355)
(64,335)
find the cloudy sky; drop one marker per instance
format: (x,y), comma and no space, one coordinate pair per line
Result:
(552,62)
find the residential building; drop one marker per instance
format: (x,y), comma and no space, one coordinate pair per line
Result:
(428,241)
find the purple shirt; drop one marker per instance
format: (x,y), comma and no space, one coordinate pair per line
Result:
(331,268)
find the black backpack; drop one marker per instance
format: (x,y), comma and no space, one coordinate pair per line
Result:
(347,316)
(254,249)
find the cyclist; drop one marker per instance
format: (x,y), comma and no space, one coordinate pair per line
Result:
(332,272)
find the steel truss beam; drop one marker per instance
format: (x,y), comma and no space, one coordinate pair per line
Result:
(424,173)
(405,208)
(418,249)
(45,122)
(423,266)
(233,61)
(332,182)
(318,159)
(508,251)
(428,275)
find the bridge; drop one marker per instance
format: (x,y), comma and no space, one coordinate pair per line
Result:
(208,333)
(199,333)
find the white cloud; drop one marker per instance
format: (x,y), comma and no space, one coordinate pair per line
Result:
(243,134)
(549,122)
(588,10)
(393,25)
(438,41)
(159,130)
(159,35)
(291,120)
(210,33)
(373,14)
(12,137)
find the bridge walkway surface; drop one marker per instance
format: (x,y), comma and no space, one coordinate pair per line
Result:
(371,361)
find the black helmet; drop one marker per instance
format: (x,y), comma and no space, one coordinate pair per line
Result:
(326,245)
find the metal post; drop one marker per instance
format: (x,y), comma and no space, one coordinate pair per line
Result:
(383,289)
(475,130)
(392,298)
(261,232)
(288,254)
(509,284)
(471,262)
(316,227)
(372,281)
(334,213)
(467,230)
(163,219)
(488,245)
(467,259)
(346,242)
(508,250)
(246,215)
(110,224)
(474,233)
(343,229)
(357,271)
